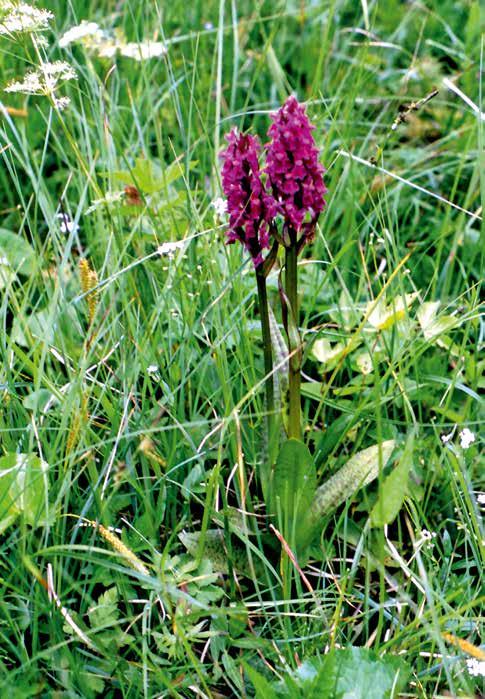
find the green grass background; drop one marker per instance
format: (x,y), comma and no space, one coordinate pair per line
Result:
(155,454)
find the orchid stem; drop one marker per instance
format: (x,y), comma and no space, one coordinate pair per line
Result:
(267,350)
(294,376)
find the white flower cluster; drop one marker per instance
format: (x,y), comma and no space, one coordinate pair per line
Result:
(110,197)
(475,667)
(66,224)
(80,32)
(169,249)
(23,18)
(105,45)
(466,437)
(220,207)
(45,80)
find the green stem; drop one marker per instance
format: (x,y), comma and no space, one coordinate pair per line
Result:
(294,377)
(267,350)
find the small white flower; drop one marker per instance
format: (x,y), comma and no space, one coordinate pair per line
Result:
(66,225)
(481,498)
(170,249)
(79,32)
(153,372)
(475,667)
(445,438)
(62,102)
(4,262)
(109,198)
(220,207)
(466,438)
(144,50)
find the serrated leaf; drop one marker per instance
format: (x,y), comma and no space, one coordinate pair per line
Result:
(23,489)
(105,612)
(18,252)
(150,177)
(293,489)
(360,470)
(394,488)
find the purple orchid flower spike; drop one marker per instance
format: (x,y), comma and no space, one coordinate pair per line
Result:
(250,207)
(294,174)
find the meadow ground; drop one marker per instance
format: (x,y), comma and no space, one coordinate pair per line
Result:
(137,555)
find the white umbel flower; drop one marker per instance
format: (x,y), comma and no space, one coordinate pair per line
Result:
(144,50)
(466,438)
(79,32)
(44,80)
(24,18)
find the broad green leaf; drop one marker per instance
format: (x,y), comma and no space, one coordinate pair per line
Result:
(23,489)
(346,673)
(40,325)
(293,489)
(263,688)
(334,434)
(394,488)
(358,673)
(359,471)
(7,275)
(18,252)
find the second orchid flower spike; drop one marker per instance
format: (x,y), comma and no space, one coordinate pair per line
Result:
(295,176)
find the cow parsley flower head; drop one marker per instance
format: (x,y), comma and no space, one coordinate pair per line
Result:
(143,50)
(44,80)
(294,173)
(22,17)
(80,32)
(250,207)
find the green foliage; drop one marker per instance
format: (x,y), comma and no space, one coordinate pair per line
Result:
(394,488)
(346,673)
(17,252)
(360,470)
(23,489)
(151,418)
(292,492)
